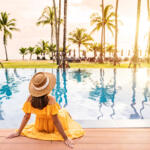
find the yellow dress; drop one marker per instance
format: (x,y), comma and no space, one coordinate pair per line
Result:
(44,128)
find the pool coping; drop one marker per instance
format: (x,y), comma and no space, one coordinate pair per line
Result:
(114,123)
(95,124)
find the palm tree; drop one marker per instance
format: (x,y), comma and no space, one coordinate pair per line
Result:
(116,32)
(135,57)
(37,52)
(47,17)
(80,37)
(44,46)
(107,21)
(31,51)
(7,25)
(110,49)
(65,32)
(95,47)
(56,31)
(148,10)
(23,52)
(59,22)
(0,61)
(102,34)
(51,49)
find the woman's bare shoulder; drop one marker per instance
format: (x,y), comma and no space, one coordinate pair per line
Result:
(52,100)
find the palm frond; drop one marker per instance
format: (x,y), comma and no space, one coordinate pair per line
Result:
(106,10)
(110,29)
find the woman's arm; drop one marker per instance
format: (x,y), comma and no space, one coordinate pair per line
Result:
(23,123)
(58,125)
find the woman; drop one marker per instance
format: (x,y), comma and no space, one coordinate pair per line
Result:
(52,122)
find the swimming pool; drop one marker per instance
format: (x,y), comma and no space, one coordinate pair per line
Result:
(88,94)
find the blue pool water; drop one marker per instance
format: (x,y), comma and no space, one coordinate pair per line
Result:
(88,94)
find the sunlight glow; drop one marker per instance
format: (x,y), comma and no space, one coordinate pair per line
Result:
(143,32)
(76,1)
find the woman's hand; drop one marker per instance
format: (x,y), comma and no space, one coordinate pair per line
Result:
(69,143)
(13,135)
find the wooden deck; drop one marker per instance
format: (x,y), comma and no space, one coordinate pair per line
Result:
(94,139)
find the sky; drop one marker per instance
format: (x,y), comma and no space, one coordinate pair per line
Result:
(27,12)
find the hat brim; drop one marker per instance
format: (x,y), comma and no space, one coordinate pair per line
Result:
(45,91)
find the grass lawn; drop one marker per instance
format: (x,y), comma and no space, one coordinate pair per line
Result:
(48,64)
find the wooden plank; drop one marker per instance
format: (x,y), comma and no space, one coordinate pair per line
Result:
(94,139)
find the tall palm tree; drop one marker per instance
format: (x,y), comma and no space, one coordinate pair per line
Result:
(47,17)
(135,60)
(102,23)
(0,61)
(7,25)
(80,37)
(65,32)
(56,31)
(116,32)
(102,34)
(59,22)
(31,51)
(148,10)
(23,52)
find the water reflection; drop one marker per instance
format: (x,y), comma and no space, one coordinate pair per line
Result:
(135,115)
(1,112)
(60,92)
(103,90)
(104,93)
(23,77)
(80,75)
(146,93)
(9,87)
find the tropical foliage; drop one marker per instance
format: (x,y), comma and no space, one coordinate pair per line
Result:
(23,52)
(95,47)
(31,51)
(7,26)
(47,18)
(108,22)
(80,37)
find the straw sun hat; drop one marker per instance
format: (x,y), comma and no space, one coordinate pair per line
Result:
(42,84)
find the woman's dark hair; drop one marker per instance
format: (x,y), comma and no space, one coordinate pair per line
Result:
(39,102)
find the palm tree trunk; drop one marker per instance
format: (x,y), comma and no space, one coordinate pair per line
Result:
(104,43)
(74,54)
(116,32)
(4,42)
(79,50)
(2,66)
(59,21)
(6,52)
(52,33)
(137,34)
(101,53)
(57,46)
(65,31)
(23,57)
(30,56)
(148,10)
(102,33)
